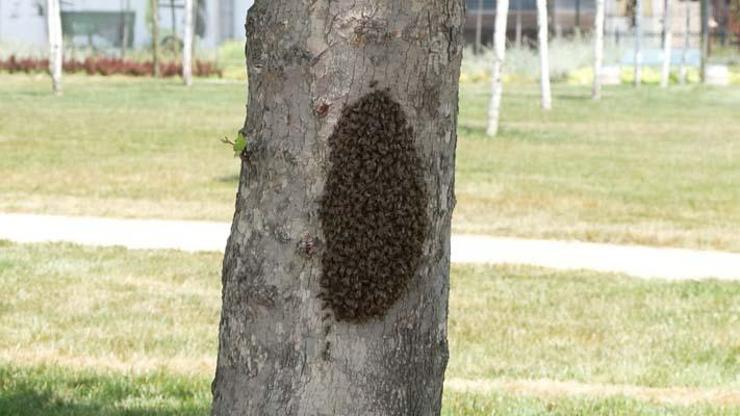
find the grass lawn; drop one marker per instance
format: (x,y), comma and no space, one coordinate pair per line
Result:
(650,166)
(106,331)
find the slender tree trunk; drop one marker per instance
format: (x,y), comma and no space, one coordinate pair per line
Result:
(704,39)
(638,42)
(598,49)
(497,84)
(155,37)
(667,43)
(56,46)
(336,273)
(126,6)
(518,24)
(686,44)
(478,27)
(173,16)
(187,48)
(542,34)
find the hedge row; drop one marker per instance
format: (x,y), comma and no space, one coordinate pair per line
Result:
(108,66)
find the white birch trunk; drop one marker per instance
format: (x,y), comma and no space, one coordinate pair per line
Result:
(499,52)
(598,48)
(686,44)
(667,43)
(546,96)
(518,24)
(126,7)
(704,8)
(478,28)
(187,49)
(54,28)
(638,43)
(155,38)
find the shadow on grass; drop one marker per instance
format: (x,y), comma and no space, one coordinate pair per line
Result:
(228,179)
(477,132)
(58,391)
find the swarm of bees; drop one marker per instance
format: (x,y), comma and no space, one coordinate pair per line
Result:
(373,212)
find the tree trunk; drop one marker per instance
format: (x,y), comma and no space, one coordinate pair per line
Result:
(598,48)
(478,27)
(125,6)
(336,273)
(686,44)
(155,38)
(54,28)
(518,29)
(546,97)
(187,48)
(499,48)
(638,43)
(704,39)
(667,43)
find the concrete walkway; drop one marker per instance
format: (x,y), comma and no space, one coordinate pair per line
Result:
(638,261)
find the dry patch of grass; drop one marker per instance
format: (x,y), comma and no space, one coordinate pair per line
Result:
(684,396)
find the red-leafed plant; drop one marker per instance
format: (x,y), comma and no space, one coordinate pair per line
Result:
(107,66)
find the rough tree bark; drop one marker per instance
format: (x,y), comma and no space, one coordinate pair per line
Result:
(499,52)
(187,47)
(598,49)
(386,70)
(54,29)
(542,38)
(667,43)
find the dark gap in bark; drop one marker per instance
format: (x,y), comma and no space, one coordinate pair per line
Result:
(373,211)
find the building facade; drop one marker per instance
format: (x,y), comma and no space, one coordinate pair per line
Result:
(104,24)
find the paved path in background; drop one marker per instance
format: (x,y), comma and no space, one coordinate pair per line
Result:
(639,261)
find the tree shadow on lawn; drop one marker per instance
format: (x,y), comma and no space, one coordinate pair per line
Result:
(228,179)
(56,391)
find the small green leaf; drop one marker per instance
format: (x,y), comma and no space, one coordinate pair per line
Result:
(240,144)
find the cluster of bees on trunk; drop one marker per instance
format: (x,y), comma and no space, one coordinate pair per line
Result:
(373,212)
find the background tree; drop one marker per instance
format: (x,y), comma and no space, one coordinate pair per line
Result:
(478,28)
(638,43)
(704,39)
(667,43)
(155,36)
(187,47)
(336,273)
(598,49)
(125,9)
(518,24)
(542,37)
(686,44)
(56,45)
(499,52)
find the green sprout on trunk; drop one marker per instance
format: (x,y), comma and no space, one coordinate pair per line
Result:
(239,144)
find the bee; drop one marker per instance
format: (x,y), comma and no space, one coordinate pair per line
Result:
(307,245)
(322,110)
(373,212)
